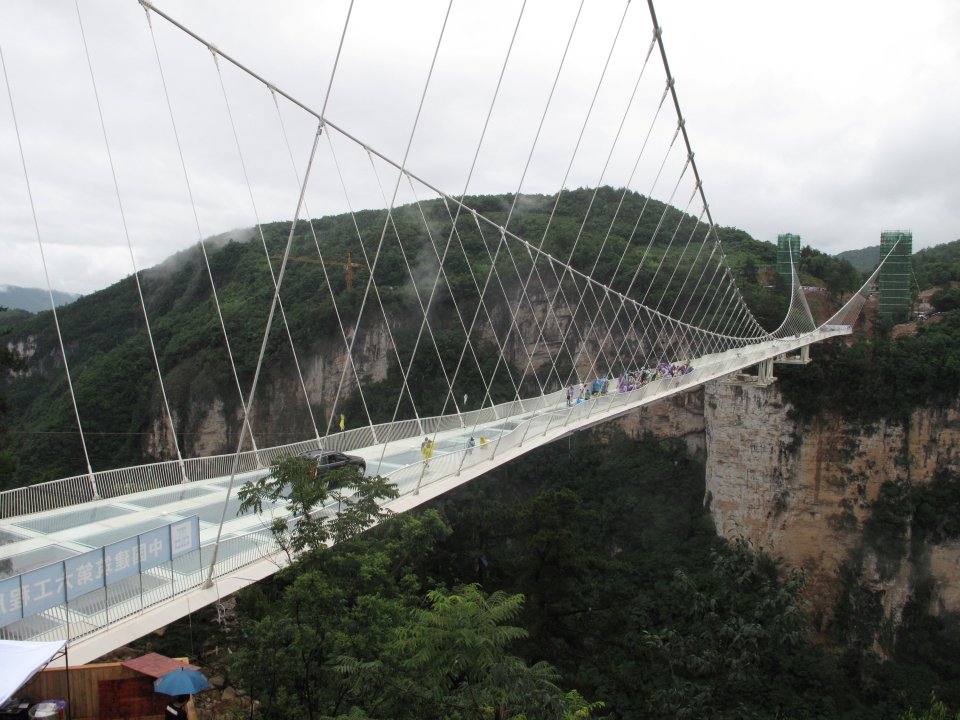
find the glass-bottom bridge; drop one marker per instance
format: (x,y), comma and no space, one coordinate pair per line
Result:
(46,525)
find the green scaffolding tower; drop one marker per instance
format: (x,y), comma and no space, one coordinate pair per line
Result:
(787,243)
(895,274)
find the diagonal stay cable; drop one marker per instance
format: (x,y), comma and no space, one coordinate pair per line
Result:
(323,266)
(603,172)
(424,309)
(371,285)
(686,138)
(667,285)
(533,147)
(456,215)
(46,274)
(626,248)
(263,350)
(133,262)
(331,125)
(273,306)
(507,234)
(653,236)
(263,242)
(400,174)
(196,219)
(573,156)
(501,348)
(551,304)
(441,273)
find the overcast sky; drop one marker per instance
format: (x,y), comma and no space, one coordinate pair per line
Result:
(834,120)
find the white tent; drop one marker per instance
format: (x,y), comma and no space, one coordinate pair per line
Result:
(19,661)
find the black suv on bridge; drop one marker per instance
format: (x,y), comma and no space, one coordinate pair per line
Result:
(326,460)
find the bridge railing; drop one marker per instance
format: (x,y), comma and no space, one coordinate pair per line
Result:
(123,481)
(46,496)
(114,483)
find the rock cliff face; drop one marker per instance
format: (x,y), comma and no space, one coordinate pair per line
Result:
(280,404)
(281,407)
(804,493)
(680,416)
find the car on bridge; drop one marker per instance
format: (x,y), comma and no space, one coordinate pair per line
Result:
(326,460)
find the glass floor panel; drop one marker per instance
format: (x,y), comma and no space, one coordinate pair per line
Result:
(72,519)
(106,537)
(211,513)
(93,602)
(248,546)
(30,627)
(237,481)
(7,537)
(32,559)
(164,498)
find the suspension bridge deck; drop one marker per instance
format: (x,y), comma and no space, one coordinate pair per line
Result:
(32,546)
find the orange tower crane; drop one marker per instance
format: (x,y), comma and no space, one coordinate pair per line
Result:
(348,265)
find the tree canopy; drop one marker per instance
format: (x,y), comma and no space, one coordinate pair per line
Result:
(585,572)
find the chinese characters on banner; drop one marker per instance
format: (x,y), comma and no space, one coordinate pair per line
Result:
(33,592)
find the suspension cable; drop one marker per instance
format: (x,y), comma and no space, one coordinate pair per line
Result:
(686,138)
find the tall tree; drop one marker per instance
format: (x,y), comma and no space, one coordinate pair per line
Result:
(451,660)
(295,481)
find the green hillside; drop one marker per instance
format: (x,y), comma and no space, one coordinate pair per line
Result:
(937,266)
(113,372)
(932,267)
(864,260)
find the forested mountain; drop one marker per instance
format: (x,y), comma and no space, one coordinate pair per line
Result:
(864,259)
(114,375)
(932,266)
(939,265)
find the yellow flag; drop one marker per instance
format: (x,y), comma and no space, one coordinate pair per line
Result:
(341,423)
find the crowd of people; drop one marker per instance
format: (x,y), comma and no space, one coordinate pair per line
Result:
(629,380)
(638,378)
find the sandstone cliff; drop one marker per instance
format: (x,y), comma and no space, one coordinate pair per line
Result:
(804,493)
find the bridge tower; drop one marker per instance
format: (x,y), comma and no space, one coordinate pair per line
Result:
(895,273)
(787,244)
